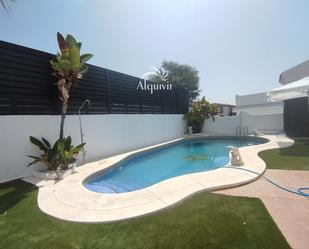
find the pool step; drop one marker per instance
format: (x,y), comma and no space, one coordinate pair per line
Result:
(114,186)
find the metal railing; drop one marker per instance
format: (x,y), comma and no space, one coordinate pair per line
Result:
(242,131)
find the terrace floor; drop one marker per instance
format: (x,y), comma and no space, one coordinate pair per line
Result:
(289,211)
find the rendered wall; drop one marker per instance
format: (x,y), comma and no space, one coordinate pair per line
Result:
(251,99)
(271,108)
(257,104)
(105,135)
(295,73)
(222,125)
(267,124)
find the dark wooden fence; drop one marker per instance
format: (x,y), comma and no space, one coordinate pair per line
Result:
(26,87)
(296,117)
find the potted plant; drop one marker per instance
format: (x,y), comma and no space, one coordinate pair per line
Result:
(197,114)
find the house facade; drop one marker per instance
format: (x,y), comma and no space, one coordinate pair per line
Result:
(293,113)
(224,109)
(296,111)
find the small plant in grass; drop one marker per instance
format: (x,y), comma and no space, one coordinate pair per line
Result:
(200,111)
(57,157)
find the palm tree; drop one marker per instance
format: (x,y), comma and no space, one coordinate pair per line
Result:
(4,5)
(69,67)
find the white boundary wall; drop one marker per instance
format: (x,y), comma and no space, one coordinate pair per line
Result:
(105,135)
(267,124)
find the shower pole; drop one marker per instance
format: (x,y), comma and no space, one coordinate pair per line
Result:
(80,126)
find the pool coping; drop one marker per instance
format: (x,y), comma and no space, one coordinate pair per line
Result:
(69,200)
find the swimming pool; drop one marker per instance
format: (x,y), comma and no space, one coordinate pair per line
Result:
(144,169)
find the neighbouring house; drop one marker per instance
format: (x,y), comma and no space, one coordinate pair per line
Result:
(296,113)
(290,115)
(224,109)
(253,112)
(257,104)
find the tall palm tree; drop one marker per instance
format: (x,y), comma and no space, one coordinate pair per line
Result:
(69,67)
(4,5)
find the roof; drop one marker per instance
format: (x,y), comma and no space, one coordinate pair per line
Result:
(292,90)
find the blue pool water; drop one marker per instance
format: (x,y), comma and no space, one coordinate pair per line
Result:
(143,170)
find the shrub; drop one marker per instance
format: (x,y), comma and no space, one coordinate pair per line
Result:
(198,113)
(58,156)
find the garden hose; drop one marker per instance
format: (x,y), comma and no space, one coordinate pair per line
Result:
(300,191)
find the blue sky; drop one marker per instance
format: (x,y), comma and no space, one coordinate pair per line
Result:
(238,46)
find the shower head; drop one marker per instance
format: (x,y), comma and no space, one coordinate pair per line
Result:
(87,101)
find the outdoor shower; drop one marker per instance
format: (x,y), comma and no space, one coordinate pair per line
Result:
(87,101)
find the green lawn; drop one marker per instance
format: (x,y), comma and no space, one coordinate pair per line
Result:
(205,221)
(295,157)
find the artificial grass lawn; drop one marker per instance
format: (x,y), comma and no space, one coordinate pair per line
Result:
(295,157)
(205,221)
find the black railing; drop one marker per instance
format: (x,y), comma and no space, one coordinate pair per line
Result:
(27,88)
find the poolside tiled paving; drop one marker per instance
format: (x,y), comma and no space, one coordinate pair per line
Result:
(289,211)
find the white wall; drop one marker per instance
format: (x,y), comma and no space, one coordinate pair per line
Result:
(222,125)
(268,123)
(105,135)
(295,73)
(271,108)
(251,99)
(256,104)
